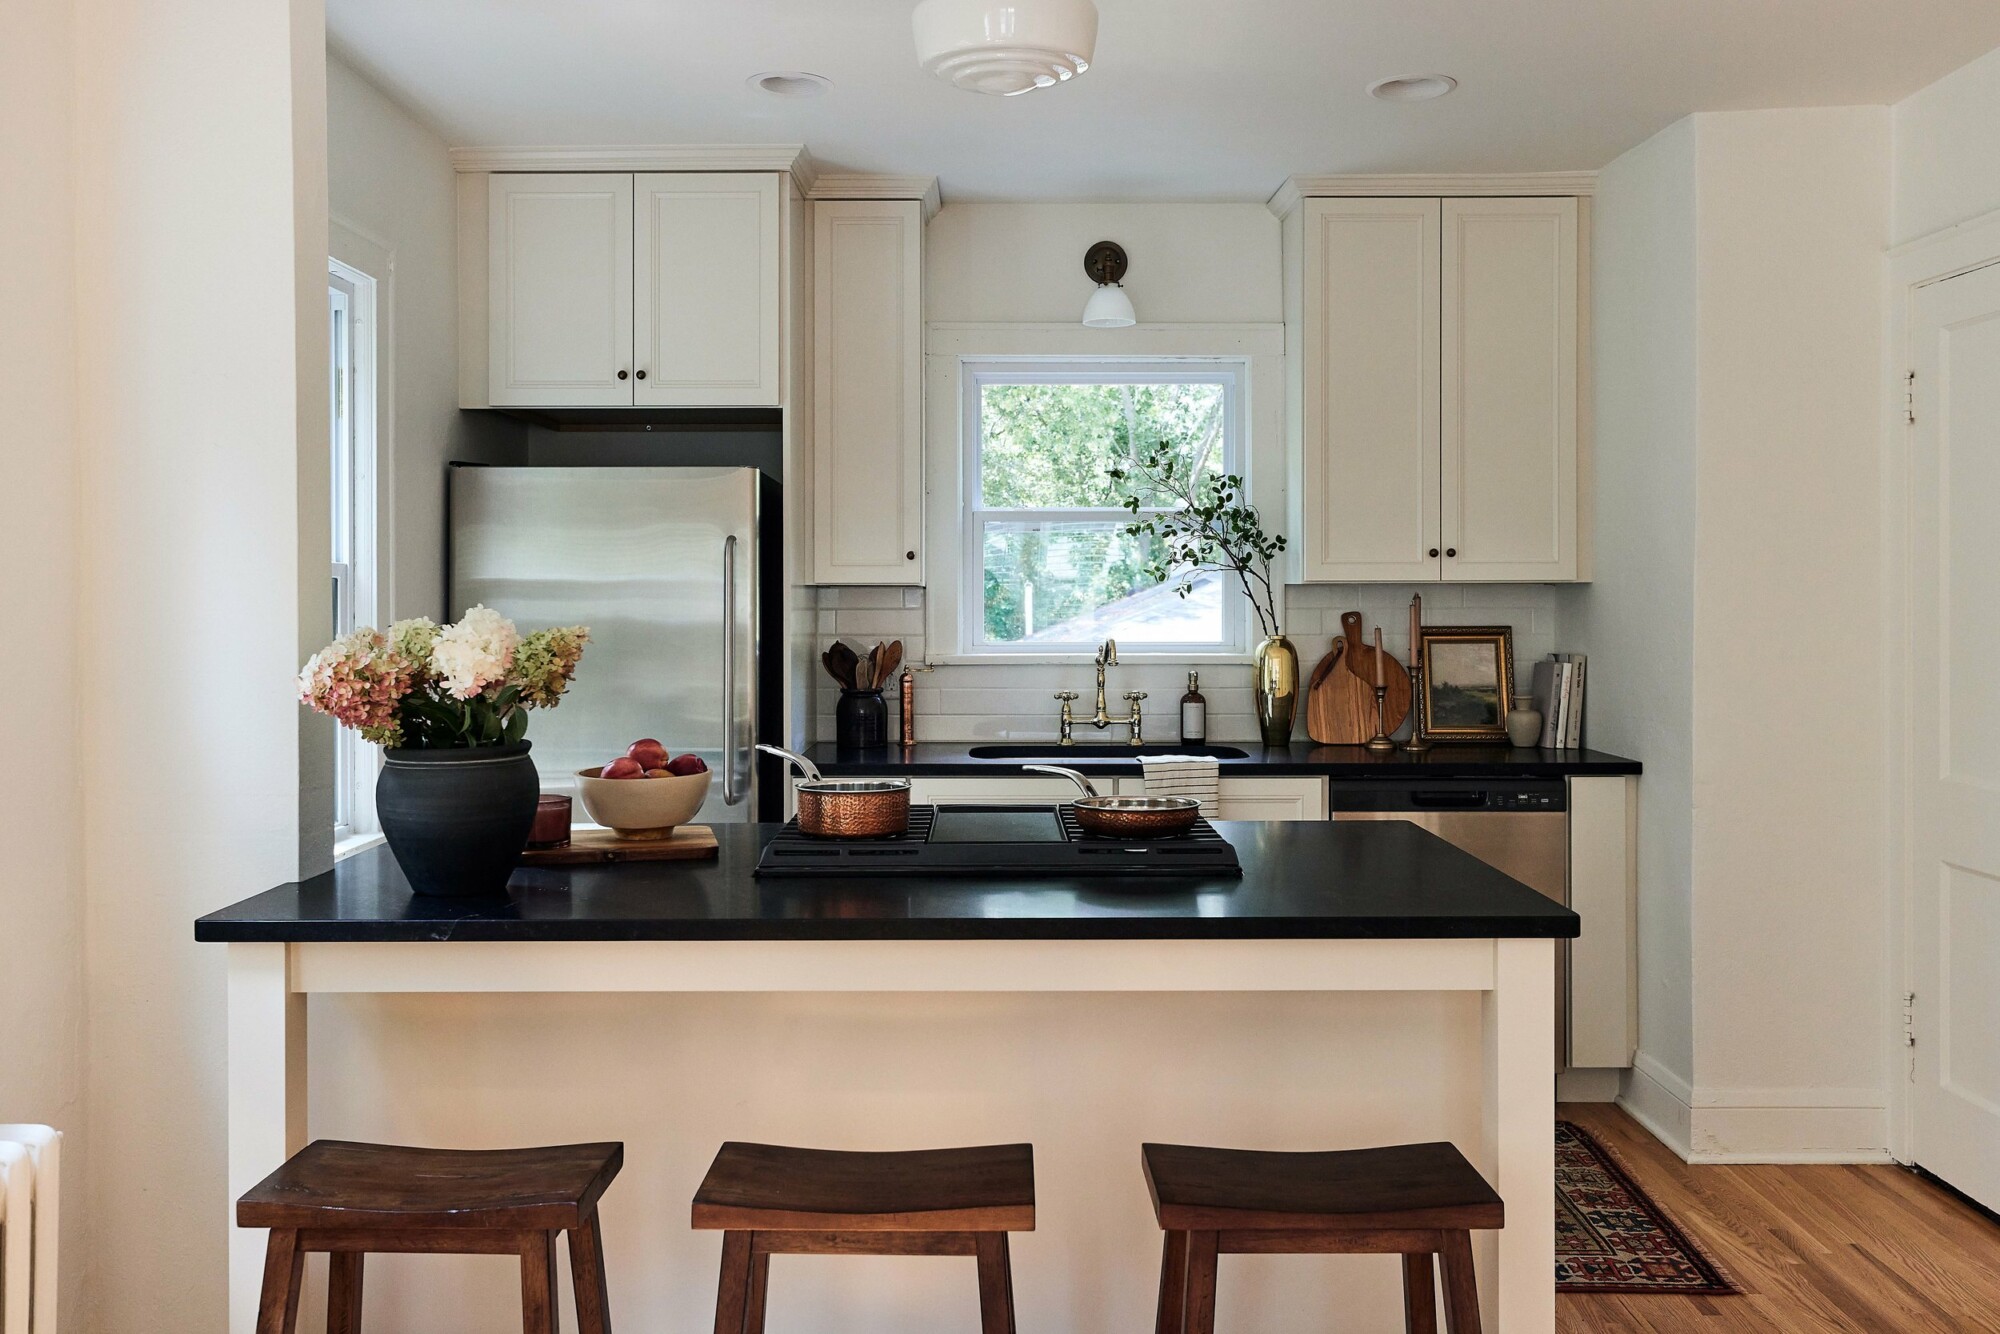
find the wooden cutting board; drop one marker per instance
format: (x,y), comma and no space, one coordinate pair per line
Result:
(588,847)
(1360,660)
(1340,707)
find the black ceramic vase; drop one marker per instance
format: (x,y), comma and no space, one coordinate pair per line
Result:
(860,720)
(457,819)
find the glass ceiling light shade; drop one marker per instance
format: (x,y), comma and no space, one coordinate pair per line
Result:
(1108,307)
(1005,47)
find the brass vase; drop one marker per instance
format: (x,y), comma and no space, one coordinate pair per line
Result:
(1277,689)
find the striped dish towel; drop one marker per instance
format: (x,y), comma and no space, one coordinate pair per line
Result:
(1183,776)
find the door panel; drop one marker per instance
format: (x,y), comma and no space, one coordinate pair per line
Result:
(559,289)
(1954,879)
(1508,423)
(706,289)
(1369,464)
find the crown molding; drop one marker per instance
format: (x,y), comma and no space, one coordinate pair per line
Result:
(867,185)
(1444,186)
(642,157)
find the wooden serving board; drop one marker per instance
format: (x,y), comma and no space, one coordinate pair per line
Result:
(589,847)
(1340,707)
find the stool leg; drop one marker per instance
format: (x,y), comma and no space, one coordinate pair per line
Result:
(343,1293)
(996,1283)
(538,1282)
(1200,1306)
(1420,1299)
(732,1291)
(586,1272)
(760,1280)
(1173,1284)
(284,1267)
(1461,1288)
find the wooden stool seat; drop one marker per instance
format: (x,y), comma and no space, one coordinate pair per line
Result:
(350,1200)
(768,1200)
(1412,1200)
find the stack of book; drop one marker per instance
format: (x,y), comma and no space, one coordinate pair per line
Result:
(1558,693)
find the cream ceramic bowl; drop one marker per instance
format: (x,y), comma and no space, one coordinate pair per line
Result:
(641,807)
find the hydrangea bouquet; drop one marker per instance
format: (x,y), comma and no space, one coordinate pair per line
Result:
(424,686)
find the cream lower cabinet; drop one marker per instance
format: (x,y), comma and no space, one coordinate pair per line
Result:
(868,405)
(1238,798)
(1435,389)
(608,289)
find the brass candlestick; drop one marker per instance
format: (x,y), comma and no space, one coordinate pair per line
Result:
(1418,743)
(1380,742)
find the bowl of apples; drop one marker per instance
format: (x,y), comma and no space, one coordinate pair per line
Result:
(644,793)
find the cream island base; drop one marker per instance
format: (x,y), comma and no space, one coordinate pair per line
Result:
(1360,984)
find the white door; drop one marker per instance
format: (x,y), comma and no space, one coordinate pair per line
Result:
(706,290)
(559,289)
(1954,885)
(1509,389)
(1368,502)
(868,391)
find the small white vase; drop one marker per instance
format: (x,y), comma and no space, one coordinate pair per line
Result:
(1524,726)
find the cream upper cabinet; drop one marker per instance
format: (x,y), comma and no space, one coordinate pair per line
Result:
(1435,389)
(868,361)
(606,289)
(1509,389)
(1367,489)
(559,312)
(705,290)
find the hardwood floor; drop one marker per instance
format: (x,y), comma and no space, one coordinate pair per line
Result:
(1815,1249)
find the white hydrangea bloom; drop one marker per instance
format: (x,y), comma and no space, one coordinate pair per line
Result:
(475,653)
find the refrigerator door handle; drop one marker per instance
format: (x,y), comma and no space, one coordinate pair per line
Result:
(730,792)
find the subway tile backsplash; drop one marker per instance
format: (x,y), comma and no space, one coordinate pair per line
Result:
(1012,701)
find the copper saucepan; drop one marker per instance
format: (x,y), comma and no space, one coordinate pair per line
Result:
(1125,817)
(846,807)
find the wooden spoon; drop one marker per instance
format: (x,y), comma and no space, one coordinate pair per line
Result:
(892,658)
(841,665)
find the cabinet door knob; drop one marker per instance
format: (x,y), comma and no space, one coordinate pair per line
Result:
(642,375)
(1451,551)
(623,374)
(1434,551)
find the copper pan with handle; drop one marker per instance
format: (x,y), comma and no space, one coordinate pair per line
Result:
(1125,817)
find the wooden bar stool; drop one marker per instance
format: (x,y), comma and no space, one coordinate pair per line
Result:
(1413,1200)
(768,1200)
(349,1199)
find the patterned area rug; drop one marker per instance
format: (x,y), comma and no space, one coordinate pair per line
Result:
(1611,1237)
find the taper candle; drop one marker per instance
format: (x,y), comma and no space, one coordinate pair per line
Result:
(1416,624)
(1378,657)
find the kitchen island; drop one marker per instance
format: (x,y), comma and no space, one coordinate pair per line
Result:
(1319,908)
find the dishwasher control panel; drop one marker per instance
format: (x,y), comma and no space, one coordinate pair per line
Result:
(1525,801)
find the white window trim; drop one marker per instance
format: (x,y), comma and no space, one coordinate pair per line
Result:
(366,268)
(1256,350)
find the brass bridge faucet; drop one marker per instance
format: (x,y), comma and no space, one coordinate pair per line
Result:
(1107,656)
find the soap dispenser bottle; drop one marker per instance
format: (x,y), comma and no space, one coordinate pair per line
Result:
(1194,711)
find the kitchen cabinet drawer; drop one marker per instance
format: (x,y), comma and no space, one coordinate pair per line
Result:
(994,791)
(868,408)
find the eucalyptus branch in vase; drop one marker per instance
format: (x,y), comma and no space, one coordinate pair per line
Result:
(1203,522)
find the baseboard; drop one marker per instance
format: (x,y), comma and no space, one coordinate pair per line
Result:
(1588,1085)
(1709,1125)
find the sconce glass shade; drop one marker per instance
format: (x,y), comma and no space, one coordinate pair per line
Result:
(1109,308)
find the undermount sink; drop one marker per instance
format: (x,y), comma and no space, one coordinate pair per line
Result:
(1099,751)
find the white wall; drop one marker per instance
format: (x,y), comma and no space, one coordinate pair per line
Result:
(200,280)
(392,198)
(1636,619)
(1947,150)
(41,870)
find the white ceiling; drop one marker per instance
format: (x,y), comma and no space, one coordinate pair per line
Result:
(1186,99)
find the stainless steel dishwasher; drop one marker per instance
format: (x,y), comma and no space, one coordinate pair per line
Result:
(1517,825)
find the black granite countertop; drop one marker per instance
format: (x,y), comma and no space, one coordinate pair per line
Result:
(953,759)
(1322,880)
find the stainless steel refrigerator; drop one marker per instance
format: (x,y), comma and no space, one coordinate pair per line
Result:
(670,570)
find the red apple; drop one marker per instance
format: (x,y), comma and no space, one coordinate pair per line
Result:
(649,753)
(622,767)
(659,773)
(683,765)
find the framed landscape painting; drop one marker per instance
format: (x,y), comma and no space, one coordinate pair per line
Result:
(1468,681)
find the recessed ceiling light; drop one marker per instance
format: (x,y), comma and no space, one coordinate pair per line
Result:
(1413,87)
(790,83)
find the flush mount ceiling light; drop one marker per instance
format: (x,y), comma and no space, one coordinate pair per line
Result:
(1005,47)
(1413,87)
(1108,307)
(790,82)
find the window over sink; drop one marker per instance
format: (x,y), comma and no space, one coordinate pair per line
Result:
(1047,566)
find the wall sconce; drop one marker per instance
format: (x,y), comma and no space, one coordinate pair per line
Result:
(1108,307)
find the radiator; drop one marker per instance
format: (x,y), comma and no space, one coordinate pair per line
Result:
(30,1212)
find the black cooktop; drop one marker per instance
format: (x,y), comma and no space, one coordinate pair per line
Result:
(998,840)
